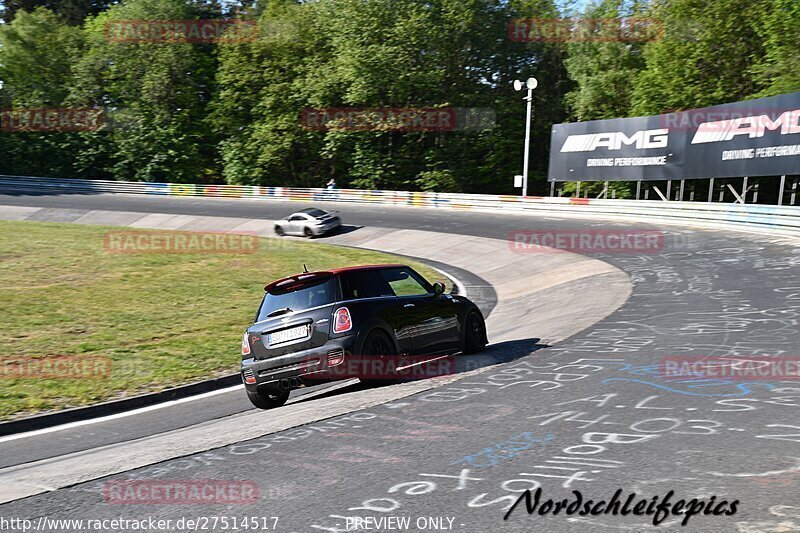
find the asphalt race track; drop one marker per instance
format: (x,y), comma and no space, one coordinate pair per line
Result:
(593,413)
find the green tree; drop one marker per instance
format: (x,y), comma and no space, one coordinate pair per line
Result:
(37,51)
(383,53)
(260,95)
(605,61)
(706,57)
(158,91)
(778,70)
(72,11)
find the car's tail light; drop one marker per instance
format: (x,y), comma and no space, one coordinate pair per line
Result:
(245,344)
(341,320)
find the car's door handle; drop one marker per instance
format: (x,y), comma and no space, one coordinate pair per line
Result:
(408,305)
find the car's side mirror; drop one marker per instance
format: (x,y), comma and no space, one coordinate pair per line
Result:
(438,287)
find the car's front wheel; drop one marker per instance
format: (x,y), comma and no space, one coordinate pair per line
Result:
(474,332)
(268,399)
(279,231)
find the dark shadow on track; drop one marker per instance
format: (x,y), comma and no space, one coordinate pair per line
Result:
(341,230)
(503,352)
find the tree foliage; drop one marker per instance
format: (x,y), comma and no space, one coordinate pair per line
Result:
(606,63)
(72,11)
(231,112)
(706,56)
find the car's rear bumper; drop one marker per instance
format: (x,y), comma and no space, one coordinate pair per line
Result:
(297,369)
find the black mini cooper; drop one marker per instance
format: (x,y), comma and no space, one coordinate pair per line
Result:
(311,323)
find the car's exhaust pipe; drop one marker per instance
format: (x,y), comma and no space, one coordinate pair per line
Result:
(290,383)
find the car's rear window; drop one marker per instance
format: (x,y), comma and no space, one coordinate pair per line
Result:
(316,213)
(364,284)
(298,297)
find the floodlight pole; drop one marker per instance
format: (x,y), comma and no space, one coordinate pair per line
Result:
(530,84)
(529,98)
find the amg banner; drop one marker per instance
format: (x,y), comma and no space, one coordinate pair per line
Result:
(752,138)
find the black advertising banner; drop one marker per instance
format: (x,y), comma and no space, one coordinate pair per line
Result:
(753,138)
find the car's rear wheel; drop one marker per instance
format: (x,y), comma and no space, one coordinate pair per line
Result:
(279,231)
(308,233)
(474,332)
(268,399)
(376,345)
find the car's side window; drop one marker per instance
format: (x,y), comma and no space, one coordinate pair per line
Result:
(404,283)
(296,218)
(364,284)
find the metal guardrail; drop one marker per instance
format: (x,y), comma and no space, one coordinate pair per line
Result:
(783,220)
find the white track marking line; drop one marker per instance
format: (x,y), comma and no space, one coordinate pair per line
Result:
(133,412)
(78,423)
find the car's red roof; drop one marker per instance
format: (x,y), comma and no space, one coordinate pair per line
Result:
(332,271)
(363,267)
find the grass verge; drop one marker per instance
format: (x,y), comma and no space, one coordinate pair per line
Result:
(160,319)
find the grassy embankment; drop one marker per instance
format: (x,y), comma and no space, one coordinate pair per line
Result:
(161,319)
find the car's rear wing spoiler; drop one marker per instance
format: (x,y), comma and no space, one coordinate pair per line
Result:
(292,283)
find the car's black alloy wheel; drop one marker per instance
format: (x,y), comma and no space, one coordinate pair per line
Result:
(474,332)
(377,344)
(279,231)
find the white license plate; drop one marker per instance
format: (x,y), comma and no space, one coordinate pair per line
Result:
(290,334)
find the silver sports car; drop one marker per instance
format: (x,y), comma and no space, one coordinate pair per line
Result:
(310,222)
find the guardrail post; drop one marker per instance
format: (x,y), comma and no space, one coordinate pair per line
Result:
(794,191)
(711,190)
(578,190)
(780,191)
(680,197)
(638,188)
(744,190)
(669,189)
(552,188)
